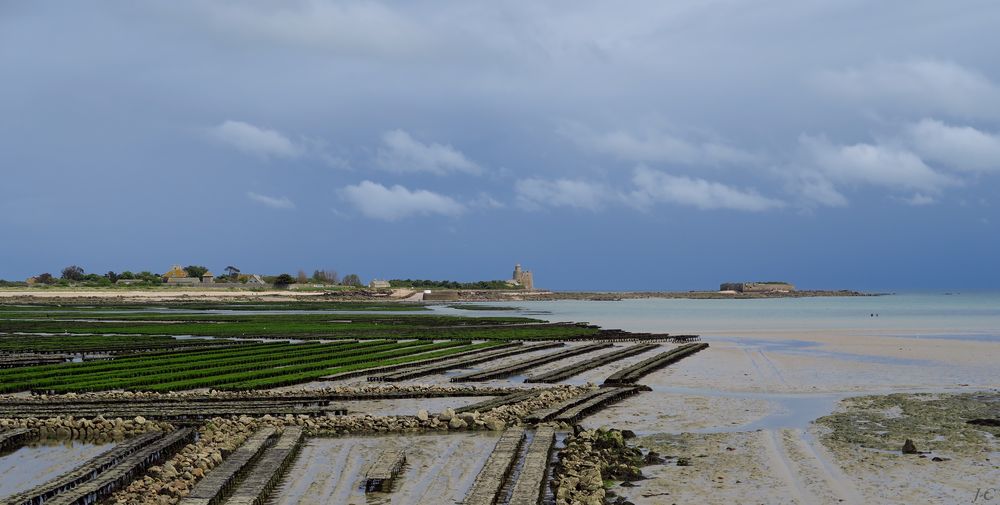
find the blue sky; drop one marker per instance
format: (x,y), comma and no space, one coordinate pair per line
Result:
(647,145)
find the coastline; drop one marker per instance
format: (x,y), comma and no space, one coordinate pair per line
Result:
(104,295)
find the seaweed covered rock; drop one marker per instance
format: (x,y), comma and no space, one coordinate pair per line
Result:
(590,458)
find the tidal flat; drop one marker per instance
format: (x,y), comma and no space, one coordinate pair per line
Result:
(795,408)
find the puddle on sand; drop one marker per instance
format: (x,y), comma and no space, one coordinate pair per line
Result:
(657,411)
(439,469)
(807,348)
(38,462)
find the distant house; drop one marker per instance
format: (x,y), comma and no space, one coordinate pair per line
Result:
(379,284)
(177,275)
(252,279)
(175,272)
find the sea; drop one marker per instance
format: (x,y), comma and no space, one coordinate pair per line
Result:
(967,316)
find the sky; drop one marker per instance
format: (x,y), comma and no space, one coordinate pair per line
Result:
(604,145)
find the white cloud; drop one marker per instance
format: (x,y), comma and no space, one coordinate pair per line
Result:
(402,153)
(813,189)
(918,199)
(957,147)
(879,165)
(255,140)
(657,146)
(654,186)
(393,203)
(920,84)
(270,201)
(648,188)
(534,193)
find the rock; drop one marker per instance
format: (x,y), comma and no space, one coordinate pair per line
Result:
(653,458)
(940,459)
(456,423)
(446,415)
(909,447)
(683,462)
(495,424)
(422,415)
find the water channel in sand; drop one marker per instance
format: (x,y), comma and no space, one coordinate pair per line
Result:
(439,469)
(35,463)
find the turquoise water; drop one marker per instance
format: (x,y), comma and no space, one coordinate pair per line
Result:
(972,316)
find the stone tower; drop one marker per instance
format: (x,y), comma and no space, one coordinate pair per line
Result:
(524,278)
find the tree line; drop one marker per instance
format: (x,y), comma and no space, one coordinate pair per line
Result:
(76,275)
(427,283)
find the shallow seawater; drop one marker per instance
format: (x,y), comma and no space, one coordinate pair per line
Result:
(976,314)
(33,464)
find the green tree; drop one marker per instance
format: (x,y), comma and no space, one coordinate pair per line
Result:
(326,276)
(195,270)
(72,273)
(284,280)
(351,280)
(112,276)
(45,278)
(233,273)
(126,275)
(149,277)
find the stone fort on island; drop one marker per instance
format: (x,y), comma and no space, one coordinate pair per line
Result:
(523,278)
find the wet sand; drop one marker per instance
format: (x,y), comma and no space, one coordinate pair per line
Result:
(742,412)
(408,406)
(439,469)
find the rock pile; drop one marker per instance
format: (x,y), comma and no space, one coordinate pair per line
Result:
(376,388)
(513,414)
(588,459)
(97,429)
(168,483)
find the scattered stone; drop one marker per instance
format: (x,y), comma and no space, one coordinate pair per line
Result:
(909,447)
(984,422)
(653,458)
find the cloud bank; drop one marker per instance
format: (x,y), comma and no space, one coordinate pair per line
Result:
(376,201)
(255,140)
(400,152)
